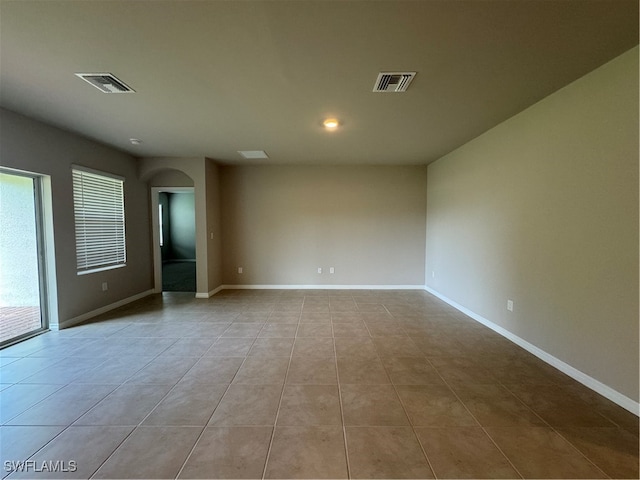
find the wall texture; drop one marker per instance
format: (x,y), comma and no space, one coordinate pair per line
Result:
(214,225)
(28,145)
(280,223)
(543,210)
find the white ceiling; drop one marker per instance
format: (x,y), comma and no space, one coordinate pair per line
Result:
(215,77)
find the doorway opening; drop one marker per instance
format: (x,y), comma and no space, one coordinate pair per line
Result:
(177,239)
(23,293)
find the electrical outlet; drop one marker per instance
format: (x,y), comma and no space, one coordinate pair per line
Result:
(239,269)
(105,286)
(510,305)
(332,270)
(319,269)
(433,274)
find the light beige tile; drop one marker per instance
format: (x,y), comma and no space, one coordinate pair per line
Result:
(262,371)
(495,406)
(559,407)
(314,330)
(384,328)
(396,346)
(20,442)
(278,330)
(310,405)
(246,330)
(286,316)
(314,309)
(116,370)
(355,346)
(315,317)
(230,347)
(411,371)
(247,405)
(25,368)
(80,449)
(163,371)
(151,452)
(434,406)
(361,370)
(272,347)
(189,347)
(64,406)
(313,347)
(229,452)
(540,452)
(15,399)
(464,452)
(385,452)
(350,329)
(312,371)
(252,317)
(307,452)
(423,332)
(127,405)
(187,405)
(372,405)
(214,369)
(612,449)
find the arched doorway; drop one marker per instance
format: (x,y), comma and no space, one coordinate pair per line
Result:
(174,231)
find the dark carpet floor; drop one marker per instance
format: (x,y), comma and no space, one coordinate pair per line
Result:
(179,276)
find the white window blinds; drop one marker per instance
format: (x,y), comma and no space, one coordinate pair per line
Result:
(98,202)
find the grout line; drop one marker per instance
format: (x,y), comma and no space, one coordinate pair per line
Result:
(558,432)
(284,385)
(153,409)
(344,425)
(404,409)
(477,421)
(551,427)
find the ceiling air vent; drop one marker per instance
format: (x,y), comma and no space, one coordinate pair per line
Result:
(393,81)
(106,82)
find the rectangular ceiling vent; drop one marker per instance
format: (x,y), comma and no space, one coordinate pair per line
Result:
(393,81)
(106,82)
(250,154)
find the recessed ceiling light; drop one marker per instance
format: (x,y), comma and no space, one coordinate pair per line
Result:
(331,123)
(135,141)
(253,153)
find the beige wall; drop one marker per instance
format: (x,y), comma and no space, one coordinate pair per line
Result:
(214,226)
(543,210)
(280,223)
(28,145)
(170,178)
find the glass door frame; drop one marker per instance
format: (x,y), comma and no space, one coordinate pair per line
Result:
(43,283)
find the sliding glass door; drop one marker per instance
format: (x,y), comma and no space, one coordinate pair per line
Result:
(22,291)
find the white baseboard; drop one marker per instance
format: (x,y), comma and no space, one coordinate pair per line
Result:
(209,294)
(99,311)
(307,287)
(322,287)
(590,382)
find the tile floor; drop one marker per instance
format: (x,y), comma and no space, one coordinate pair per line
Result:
(299,384)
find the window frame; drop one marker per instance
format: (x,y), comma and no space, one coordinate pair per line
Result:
(96,211)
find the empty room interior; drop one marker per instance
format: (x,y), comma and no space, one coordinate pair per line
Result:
(319,239)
